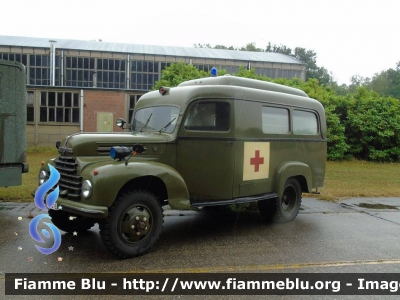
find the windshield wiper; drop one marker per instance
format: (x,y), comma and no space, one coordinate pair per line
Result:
(167,125)
(147,122)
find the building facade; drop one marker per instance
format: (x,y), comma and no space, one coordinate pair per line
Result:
(83,86)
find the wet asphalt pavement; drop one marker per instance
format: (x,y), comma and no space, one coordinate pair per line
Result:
(355,235)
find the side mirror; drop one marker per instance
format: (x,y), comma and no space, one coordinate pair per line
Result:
(120,123)
(137,149)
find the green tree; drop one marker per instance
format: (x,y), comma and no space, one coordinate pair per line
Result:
(244,72)
(309,57)
(278,49)
(385,83)
(208,46)
(251,47)
(380,83)
(357,81)
(177,73)
(394,80)
(224,47)
(373,126)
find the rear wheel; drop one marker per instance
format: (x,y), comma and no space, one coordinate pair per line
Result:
(70,223)
(282,209)
(133,225)
(288,206)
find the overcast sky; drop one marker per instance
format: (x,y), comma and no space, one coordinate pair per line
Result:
(350,37)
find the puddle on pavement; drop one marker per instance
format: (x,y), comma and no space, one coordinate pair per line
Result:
(377,206)
(5,208)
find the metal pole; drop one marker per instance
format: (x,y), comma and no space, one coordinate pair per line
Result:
(62,69)
(81,112)
(52,62)
(128,71)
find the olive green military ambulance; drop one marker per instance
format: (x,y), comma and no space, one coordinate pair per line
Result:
(208,142)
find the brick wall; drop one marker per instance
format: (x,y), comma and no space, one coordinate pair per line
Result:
(102,102)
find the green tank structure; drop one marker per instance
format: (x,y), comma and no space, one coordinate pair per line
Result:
(12,123)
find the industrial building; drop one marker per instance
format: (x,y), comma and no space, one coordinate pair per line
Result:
(75,86)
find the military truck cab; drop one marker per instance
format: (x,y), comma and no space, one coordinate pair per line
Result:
(208,142)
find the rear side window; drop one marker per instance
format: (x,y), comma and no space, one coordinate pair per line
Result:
(208,116)
(305,123)
(275,120)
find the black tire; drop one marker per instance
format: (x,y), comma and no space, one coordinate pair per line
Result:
(288,206)
(62,220)
(133,225)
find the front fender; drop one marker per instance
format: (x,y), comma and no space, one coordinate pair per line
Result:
(291,169)
(112,176)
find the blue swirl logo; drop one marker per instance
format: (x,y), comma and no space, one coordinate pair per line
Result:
(45,187)
(50,201)
(35,235)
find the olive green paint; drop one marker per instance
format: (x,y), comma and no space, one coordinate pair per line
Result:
(203,166)
(12,123)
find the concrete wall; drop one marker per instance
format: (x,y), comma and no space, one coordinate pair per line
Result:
(42,135)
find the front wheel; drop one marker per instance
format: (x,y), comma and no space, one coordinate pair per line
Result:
(133,224)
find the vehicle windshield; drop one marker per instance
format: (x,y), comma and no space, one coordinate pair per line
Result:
(156,118)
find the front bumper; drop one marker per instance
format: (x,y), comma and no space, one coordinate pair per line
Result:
(81,209)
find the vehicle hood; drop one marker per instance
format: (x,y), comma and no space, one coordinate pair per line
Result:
(95,144)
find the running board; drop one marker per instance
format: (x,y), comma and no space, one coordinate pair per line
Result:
(202,202)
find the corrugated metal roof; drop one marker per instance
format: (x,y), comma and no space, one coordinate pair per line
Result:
(149,49)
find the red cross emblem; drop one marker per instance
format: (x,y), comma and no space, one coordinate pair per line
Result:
(257,161)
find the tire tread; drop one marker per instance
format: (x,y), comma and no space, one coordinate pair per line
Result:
(106,232)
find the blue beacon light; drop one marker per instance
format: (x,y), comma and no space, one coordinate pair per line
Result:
(214,72)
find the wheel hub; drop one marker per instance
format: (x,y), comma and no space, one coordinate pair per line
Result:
(288,199)
(141,225)
(285,200)
(135,224)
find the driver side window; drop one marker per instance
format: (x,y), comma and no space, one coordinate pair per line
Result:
(208,116)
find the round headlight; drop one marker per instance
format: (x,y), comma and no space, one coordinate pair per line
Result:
(86,189)
(42,176)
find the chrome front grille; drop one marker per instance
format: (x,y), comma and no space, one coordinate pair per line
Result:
(70,184)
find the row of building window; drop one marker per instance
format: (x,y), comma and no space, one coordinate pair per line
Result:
(112,73)
(278,73)
(22,58)
(62,107)
(79,63)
